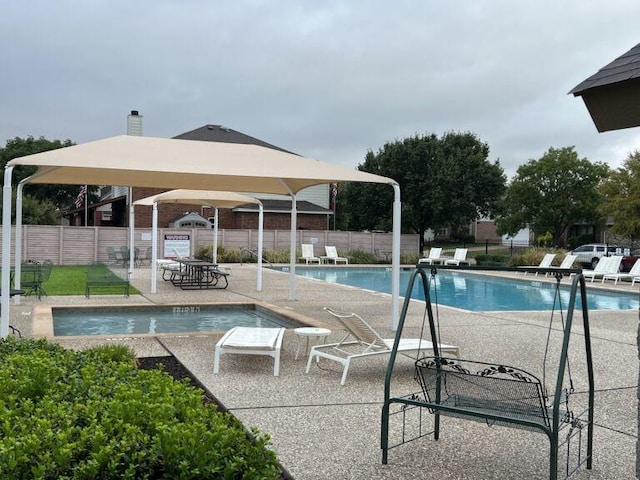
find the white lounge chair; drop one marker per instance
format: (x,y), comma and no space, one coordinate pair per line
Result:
(630,275)
(546,262)
(308,255)
(459,256)
(332,256)
(362,341)
(251,341)
(606,265)
(434,256)
(567,262)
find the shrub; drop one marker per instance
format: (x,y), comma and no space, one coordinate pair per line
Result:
(492,260)
(278,255)
(360,257)
(530,256)
(93,414)
(409,258)
(225,255)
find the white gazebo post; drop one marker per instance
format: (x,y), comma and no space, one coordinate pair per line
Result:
(154,247)
(132,219)
(292,250)
(214,253)
(17,261)
(260,233)
(6,253)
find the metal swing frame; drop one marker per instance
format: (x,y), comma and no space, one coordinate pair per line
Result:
(438,376)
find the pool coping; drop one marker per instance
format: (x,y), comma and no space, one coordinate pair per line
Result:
(42,319)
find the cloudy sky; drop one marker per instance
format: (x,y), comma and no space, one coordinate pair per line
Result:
(326,79)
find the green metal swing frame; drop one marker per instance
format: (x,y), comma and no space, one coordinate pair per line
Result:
(438,374)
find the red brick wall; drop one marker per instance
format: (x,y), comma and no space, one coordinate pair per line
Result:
(168,212)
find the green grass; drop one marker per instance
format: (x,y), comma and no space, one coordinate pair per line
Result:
(72,280)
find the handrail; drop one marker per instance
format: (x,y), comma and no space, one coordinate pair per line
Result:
(253,253)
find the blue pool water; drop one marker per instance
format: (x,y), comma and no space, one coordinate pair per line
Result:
(161,319)
(478,293)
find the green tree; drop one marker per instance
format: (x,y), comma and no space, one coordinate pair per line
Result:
(621,192)
(551,194)
(444,182)
(41,203)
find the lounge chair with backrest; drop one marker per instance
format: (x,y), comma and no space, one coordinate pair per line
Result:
(567,262)
(459,257)
(605,266)
(434,256)
(332,256)
(546,262)
(251,341)
(630,275)
(362,341)
(308,255)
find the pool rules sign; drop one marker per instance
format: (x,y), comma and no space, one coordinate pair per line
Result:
(177,245)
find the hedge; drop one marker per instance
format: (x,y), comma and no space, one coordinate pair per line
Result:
(95,415)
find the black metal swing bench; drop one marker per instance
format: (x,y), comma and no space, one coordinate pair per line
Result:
(498,394)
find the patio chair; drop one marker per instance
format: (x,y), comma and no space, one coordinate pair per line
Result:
(332,256)
(308,255)
(251,341)
(606,266)
(363,341)
(146,257)
(630,275)
(459,257)
(112,256)
(546,262)
(434,256)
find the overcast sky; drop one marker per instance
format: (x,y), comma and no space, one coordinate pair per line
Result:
(325,79)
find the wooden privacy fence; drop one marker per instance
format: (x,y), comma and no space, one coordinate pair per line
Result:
(68,245)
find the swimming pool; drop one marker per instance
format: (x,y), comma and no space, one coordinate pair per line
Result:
(468,291)
(158,319)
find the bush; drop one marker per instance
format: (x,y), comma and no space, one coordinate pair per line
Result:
(409,258)
(360,257)
(93,414)
(278,255)
(492,260)
(530,256)
(225,255)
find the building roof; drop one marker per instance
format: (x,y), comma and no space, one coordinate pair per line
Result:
(219,133)
(612,94)
(625,67)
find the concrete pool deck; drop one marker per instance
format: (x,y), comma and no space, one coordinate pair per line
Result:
(321,430)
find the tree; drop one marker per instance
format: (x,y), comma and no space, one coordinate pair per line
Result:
(42,203)
(551,194)
(444,182)
(621,193)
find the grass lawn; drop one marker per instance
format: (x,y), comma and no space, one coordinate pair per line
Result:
(72,280)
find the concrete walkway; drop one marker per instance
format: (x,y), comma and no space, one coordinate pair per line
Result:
(321,430)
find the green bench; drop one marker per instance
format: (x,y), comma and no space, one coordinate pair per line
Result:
(100,277)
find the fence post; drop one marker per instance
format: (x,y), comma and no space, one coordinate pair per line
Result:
(486,246)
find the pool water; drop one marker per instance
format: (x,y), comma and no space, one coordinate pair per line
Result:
(162,319)
(477,293)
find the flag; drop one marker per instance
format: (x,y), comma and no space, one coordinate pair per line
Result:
(81,196)
(334,194)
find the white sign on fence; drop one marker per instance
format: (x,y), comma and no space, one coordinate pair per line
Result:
(177,245)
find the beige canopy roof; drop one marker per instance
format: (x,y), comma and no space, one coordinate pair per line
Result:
(172,163)
(212,198)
